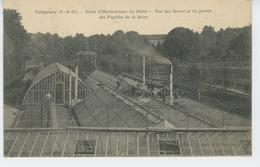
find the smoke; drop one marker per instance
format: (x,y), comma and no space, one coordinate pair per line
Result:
(149,51)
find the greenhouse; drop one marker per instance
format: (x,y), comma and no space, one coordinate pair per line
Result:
(59,82)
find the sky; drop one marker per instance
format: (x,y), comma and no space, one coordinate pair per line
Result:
(217,13)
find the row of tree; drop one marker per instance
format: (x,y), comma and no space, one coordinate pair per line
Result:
(180,43)
(229,44)
(15,40)
(120,51)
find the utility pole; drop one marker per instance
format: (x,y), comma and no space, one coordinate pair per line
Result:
(144,69)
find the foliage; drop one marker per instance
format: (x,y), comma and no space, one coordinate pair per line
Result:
(182,43)
(16,40)
(121,51)
(231,43)
(208,40)
(242,43)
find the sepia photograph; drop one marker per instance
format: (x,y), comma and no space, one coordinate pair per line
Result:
(127,78)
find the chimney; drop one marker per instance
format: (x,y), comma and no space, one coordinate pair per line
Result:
(171,85)
(144,69)
(76,82)
(70,105)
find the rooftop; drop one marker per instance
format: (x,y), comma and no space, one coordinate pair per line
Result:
(50,69)
(135,142)
(104,109)
(86,53)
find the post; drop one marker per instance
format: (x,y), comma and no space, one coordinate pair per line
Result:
(95,63)
(70,105)
(137,144)
(46,113)
(171,85)
(227,121)
(187,123)
(144,69)
(76,82)
(223,118)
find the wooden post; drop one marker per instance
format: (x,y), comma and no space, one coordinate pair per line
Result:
(221,146)
(189,144)
(148,146)
(210,145)
(23,144)
(7,135)
(95,154)
(127,144)
(241,144)
(231,145)
(13,144)
(179,144)
(34,144)
(106,144)
(75,144)
(37,87)
(65,144)
(46,113)
(158,144)
(44,143)
(54,97)
(33,88)
(55,143)
(248,136)
(49,84)
(53,88)
(200,145)
(137,144)
(63,93)
(117,144)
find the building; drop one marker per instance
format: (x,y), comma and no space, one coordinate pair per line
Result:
(109,123)
(87,60)
(56,79)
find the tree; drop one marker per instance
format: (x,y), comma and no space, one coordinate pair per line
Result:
(118,43)
(17,39)
(222,43)
(182,43)
(81,42)
(70,47)
(193,77)
(242,43)
(208,39)
(99,44)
